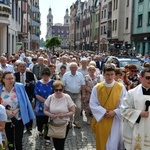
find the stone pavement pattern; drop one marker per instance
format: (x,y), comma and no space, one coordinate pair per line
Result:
(77,139)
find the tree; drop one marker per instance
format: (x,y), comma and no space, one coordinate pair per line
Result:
(53,42)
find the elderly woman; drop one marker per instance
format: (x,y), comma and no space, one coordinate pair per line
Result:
(97,71)
(18,109)
(90,81)
(43,88)
(59,107)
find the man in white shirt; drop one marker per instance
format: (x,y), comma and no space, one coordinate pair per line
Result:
(5,67)
(74,84)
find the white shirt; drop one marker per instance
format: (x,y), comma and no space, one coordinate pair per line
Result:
(7,68)
(73,83)
(23,78)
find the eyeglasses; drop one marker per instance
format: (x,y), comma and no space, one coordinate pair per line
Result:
(60,90)
(147,77)
(134,70)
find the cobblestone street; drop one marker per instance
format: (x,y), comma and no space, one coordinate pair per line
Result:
(77,139)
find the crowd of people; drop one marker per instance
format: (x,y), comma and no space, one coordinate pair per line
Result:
(55,89)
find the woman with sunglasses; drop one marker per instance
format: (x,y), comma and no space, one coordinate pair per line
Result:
(133,76)
(59,107)
(18,109)
(43,88)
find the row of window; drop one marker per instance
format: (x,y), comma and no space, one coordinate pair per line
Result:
(115,6)
(61,35)
(104,14)
(16,11)
(58,31)
(7,2)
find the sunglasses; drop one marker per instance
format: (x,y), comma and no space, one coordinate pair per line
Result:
(147,77)
(60,90)
(134,71)
(124,71)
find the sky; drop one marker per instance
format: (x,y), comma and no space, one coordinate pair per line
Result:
(58,10)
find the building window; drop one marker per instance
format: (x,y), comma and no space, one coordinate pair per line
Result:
(127,20)
(19,15)
(101,30)
(140,20)
(127,3)
(113,25)
(49,20)
(12,9)
(104,29)
(16,11)
(141,1)
(102,15)
(116,24)
(12,43)
(105,13)
(67,21)
(114,4)
(148,18)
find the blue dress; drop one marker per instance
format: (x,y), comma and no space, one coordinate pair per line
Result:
(44,90)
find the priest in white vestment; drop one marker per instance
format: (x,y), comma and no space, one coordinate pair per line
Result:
(136,115)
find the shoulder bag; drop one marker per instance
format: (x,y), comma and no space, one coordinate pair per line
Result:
(56,131)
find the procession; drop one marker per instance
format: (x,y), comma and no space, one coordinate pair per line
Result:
(74,75)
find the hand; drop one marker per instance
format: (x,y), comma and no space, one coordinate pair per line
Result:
(15,111)
(144,114)
(110,114)
(53,116)
(10,113)
(61,116)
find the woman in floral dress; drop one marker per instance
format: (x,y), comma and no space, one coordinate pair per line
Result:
(90,81)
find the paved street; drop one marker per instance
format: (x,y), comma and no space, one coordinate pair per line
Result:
(77,139)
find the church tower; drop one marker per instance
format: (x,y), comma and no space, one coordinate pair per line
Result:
(66,18)
(49,23)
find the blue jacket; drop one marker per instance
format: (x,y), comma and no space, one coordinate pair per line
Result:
(26,110)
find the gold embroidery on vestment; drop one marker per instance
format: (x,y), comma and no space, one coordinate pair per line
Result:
(138,143)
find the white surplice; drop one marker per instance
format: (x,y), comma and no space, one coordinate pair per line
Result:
(136,135)
(99,112)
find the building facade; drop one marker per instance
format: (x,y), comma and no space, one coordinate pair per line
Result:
(58,29)
(20,25)
(5,12)
(141,26)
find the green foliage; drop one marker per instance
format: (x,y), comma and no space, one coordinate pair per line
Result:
(53,42)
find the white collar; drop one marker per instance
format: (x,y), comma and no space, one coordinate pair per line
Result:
(109,84)
(23,73)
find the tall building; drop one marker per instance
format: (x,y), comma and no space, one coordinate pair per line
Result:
(35,25)
(49,24)
(5,12)
(60,30)
(141,26)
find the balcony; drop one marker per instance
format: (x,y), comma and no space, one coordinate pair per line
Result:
(35,9)
(5,11)
(35,23)
(35,37)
